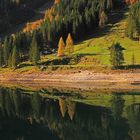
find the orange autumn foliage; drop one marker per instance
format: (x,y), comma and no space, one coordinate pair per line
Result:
(33,25)
(69,44)
(130,2)
(50,14)
(57,17)
(61,48)
(57,1)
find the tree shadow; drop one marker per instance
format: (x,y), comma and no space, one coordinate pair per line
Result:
(90,54)
(24,65)
(129,67)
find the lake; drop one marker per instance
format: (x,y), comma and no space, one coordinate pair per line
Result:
(51,114)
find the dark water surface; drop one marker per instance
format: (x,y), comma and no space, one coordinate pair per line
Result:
(28,115)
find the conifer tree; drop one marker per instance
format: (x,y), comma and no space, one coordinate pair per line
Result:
(69,44)
(1,55)
(9,60)
(134,19)
(33,43)
(61,47)
(14,57)
(6,50)
(34,51)
(103,19)
(133,59)
(36,104)
(36,55)
(116,55)
(110,4)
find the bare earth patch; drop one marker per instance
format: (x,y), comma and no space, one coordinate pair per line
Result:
(86,80)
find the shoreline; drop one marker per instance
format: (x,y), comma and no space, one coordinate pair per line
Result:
(84,80)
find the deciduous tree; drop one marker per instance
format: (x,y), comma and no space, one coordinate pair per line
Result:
(61,48)
(69,44)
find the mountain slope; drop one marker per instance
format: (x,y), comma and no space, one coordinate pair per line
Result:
(96,47)
(39,14)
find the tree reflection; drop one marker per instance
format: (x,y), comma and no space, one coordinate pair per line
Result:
(117,105)
(63,106)
(133,115)
(67,106)
(26,117)
(71,109)
(119,126)
(36,104)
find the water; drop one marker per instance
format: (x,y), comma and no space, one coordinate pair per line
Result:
(49,115)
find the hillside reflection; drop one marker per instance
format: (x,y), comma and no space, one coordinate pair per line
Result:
(33,117)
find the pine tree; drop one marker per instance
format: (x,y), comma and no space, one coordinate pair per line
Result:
(6,50)
(110,4)
(33,43)
(1,55)
(69,44)
(133,59)
(36,104)
(61,47)
(102,19)
(34,51)
(36,55)
(116,55)
(14,57)
(10,60)
(134,19)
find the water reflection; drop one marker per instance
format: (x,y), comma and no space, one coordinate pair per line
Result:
(133,113)
(67,106)
(34,117)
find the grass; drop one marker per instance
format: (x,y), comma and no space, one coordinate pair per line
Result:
(94,50)
(97,46)
(105,100)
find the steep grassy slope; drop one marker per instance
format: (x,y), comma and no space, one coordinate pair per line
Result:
(96,47)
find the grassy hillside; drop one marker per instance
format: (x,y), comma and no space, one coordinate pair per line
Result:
(93,50)
(96,47)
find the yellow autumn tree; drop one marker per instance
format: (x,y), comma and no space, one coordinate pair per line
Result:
(69,45)
(61,48)
(63,107)
(71,109)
